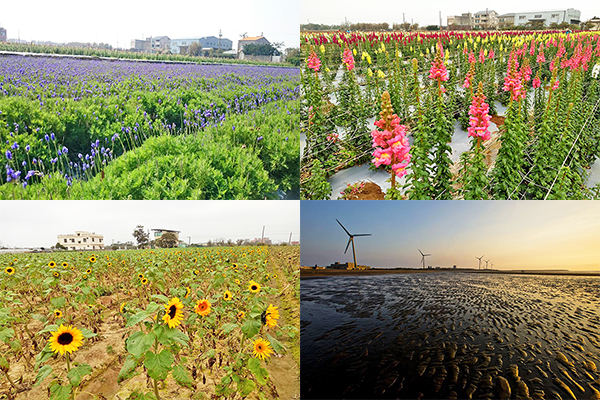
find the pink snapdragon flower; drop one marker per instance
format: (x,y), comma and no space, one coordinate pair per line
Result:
(512,80)
(471,58)
(491,54)
(479,120)
(555,85)
(481,56)
(536,82)
(390,140)
(348,59)
(313,62)
(540,57)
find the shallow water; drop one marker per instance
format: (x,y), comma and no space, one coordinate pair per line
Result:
(447,334)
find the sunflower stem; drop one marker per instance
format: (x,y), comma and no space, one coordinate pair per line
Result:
(156,389)
(11,381)
(68,362)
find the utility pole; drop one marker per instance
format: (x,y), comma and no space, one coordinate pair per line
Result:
(189,240)
(262,239)
(290,241)
(403,18)
(220,34)
(440,20)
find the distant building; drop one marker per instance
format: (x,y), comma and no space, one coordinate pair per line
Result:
(487,19)
(569,15)
(266,241)
(82,240)
(159,232)
(460,22)
(243,42)
(347,266)
(141,45)
(506,20)
(160,43)
(2,35)
(180,46)
(594,24)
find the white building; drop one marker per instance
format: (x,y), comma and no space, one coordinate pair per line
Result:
(569,15)
(180,46)
(487,19)
(82,240)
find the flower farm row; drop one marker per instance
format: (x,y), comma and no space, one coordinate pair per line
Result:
(421,83)
(86,129)
(151,324)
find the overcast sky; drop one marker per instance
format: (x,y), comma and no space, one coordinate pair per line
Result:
(511,234)
(426,12)
(36,223)
(117,22)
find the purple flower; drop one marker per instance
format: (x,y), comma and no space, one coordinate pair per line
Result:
(8,155)
(259,138)
(27,148)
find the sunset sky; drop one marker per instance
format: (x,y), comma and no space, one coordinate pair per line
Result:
(511,234)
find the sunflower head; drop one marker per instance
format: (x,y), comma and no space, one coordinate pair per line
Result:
(253,287)
(262,349)
(10,270)
(241,315)
(237,281)
(196,272)
(122,308)
(144,281)
(10,264)
(271,316)
(109,264)
(84,277)
(93,259)
(65,339)
(52,264)
(187,292)
(58,313)
(173,313)
(56,274)
(88,271)
(227,295)
(141,276)
(202,307)
(65,264)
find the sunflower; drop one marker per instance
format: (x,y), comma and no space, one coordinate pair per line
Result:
(241,315)
(122,308)
(58,313)
(187,292)
(237,281)
(227,295)
(262,349)
(254,287)
(272,315)
(202,307)
(65,264)
(109,264)
(52,264)
(10,270)
(173,315)
(56,274)
(10,264)
(88,271)
(196,272)
(65,340)
(274,276)
(144,281)
(84,277)
(141,276)
(93,259)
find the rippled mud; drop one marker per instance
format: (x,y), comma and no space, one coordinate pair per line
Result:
(451,336)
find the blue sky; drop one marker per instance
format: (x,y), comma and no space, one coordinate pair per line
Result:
(523,234)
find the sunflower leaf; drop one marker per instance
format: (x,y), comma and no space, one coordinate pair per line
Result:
(139,343)
(59,392)
(152,307)
(58,302)
(137,318)
(88,333)
(42,374)
(160,297)
(43,355)
(210,353)
(127,369)
(251,327)
(6,334)
(158,365)
(182,376)
(246,387)
(176,335)
(228,328)
(49,328)
(76,374)
(259,372)
(276,344)
(255,312)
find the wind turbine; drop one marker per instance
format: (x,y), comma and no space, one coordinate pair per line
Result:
(351,239)
(479,258)
(486,263)
(423,257)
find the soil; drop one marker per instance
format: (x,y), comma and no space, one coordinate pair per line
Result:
(498,120)
(370,191)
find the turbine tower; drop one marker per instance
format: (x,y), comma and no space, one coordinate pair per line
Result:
(423,257)
(486,263)
(479,258)
(351,239)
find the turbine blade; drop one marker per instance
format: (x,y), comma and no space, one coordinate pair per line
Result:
(348,245)
(362,234)
(343,227)
(425,255)
(420,252)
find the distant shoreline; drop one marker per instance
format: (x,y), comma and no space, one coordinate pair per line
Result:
(324,273)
